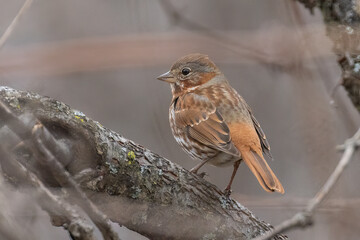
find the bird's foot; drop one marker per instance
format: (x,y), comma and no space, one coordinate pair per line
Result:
(202,174)
(227,192)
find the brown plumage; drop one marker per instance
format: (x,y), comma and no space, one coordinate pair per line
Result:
(213,123)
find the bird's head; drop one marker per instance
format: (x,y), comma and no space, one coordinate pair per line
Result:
(190,72)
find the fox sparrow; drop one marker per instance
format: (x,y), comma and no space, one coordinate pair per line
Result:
(213,123)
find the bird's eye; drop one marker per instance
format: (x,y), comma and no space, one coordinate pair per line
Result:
(185,71)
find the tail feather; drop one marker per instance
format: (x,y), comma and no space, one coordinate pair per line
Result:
(262,171)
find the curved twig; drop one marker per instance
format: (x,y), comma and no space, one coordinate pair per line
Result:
(305,218)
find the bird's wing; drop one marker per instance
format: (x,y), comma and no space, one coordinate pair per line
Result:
(265,146)
(203,123)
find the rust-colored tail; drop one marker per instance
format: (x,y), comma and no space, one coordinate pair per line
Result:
(262,171)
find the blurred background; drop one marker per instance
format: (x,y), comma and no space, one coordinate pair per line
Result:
(103,57)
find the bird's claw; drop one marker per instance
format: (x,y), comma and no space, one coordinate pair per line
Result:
(227,192)
(202,174)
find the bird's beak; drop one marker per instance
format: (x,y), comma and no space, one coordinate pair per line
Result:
(167,77)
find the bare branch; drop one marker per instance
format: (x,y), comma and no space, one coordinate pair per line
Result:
(12,25)
(305,218)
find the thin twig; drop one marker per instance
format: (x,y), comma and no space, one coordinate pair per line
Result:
(12,25)
(225,42)
(297,204)
(76,225)
(305,218)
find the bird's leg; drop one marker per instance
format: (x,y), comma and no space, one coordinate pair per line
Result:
(197,167)
(227,190)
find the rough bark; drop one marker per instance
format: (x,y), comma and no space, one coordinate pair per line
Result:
(342,19)
(132,185)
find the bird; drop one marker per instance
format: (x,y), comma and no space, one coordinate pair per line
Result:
(213,123)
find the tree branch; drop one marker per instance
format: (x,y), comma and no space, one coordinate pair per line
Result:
(132,185)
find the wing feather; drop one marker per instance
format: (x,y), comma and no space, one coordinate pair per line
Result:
(203,123)
(265,146)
